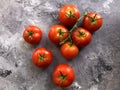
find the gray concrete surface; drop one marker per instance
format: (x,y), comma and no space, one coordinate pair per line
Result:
(97,66)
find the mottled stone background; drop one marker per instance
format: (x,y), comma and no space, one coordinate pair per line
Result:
(97,66)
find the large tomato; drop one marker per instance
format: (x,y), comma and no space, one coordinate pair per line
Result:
(69,50)
(42,57)
(69,14)
(92,21)
(63,75)
(81,37)
(32,34)
(57,33)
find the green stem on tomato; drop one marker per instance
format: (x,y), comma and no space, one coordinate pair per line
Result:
(30,33)
(62,42)
(95,16)
(72,29)
(78,21)
(63,77)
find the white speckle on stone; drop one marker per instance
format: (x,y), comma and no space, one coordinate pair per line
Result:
(106,6)
(94,87)
(35,2)
(107,3)
(4,64)
(75,86)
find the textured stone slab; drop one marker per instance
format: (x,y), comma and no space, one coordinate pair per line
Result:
(97,66)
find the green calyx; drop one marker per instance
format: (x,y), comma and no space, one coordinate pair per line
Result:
(81,34)
(30,33)
(70,43)
(60,32)
(93,19)
(62,77)
(70,14)
(42,57)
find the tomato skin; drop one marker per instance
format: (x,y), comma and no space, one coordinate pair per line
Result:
(66,70)
(95,25)
(42,57)
(64,14)
(69,51)
(79,39)
(32,34)
(57,33)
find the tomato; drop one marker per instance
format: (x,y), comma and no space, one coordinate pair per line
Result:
(68,14)
(81,37)
(69,50)
(63,75)
(42,57)
(32,34)
(57,33)
(92,21)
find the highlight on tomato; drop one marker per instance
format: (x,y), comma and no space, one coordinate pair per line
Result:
(92,21)
(32,34)
(57,33)
(81,37)
(69,50)
(42,57)
(63,75)
(68,15)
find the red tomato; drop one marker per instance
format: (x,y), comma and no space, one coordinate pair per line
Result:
(32,34)
(63,75)
(68,50)
(92,22)
(69,14)
(81,37)
(42,57)
(57,33)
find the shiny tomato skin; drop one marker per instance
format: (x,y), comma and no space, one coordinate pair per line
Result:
(81,37)
(32,34)
(69,51)
(57,33)
(63,70)
(94,25)
(68,15)
(42,57)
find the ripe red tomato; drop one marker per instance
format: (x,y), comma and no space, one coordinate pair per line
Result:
(69,14)
(57,33)
(42,57)
(32,34)
(63,75)
(81,37)
(69,50)
(92,21)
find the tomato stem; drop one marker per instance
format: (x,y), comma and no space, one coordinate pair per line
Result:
(72,29)
(78,21)
(41,57)
(30,33)
(70,43)
(93,20)
(95,16)
(70,14)
(81,33)
(60,32)
(63,77)
(62,42)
